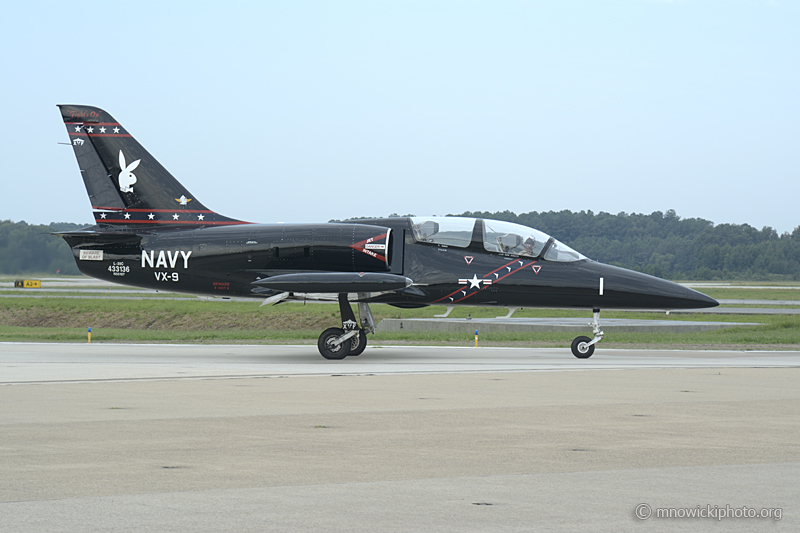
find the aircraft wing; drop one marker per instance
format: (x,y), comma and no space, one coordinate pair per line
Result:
(335,282)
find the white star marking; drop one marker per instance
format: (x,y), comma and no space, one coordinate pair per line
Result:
(77,129)
(151,216)
(175,216)
(127,216)
(102,130)
(116,130)
(90,129)
(200,217)
(102,215)
(474,282)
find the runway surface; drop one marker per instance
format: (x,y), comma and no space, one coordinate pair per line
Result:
(43,363)
(274,438)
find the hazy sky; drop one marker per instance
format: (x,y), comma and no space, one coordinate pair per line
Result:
(307,111)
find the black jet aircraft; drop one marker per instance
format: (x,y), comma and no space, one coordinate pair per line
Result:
(152,232)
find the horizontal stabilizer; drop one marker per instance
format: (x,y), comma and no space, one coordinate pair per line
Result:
(335,282)
(97,237)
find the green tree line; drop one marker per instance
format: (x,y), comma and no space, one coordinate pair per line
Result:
(29,249)
(662,244)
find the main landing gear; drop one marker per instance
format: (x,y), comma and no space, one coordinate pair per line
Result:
(583,347)
(338,343)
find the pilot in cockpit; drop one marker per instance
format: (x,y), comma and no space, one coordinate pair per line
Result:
(528,246)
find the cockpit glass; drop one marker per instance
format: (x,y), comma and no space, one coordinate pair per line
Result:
(498,236)
(452,231)
(510,238)
(561,252)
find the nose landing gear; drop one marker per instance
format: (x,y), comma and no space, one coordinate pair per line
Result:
(350,339)
(583,347)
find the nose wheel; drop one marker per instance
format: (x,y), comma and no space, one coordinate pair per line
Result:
(583,347)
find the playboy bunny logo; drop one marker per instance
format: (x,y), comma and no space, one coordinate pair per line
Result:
(126,176)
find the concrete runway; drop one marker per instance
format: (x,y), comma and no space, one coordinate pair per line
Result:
(52,363)
(255,438)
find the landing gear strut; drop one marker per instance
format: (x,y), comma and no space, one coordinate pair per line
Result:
(583,347)
(350,339)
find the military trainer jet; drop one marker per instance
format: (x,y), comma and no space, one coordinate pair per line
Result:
(152,232)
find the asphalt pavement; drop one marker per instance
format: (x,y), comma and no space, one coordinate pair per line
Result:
(274,438)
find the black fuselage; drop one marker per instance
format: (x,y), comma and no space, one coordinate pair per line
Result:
(231,260)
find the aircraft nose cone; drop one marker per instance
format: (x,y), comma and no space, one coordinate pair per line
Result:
(630,289)
(699,299)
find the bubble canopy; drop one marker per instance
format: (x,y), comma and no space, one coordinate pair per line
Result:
(497,236)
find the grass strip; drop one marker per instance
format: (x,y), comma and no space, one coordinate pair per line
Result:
(202,321)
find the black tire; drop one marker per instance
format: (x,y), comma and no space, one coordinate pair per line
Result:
(327,349)
(580,349)
(358,343)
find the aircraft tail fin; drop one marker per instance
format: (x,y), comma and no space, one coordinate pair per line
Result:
(127,185)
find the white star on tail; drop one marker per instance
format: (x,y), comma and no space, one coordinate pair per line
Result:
(102,130)
(151,216)
(127,216)
(175,216)
(200,217)
(116,130)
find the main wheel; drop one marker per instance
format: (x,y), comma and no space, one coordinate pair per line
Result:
(328,349)
(358,343)
(581,348)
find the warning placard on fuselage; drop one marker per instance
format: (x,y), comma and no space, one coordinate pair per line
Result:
(91,255)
